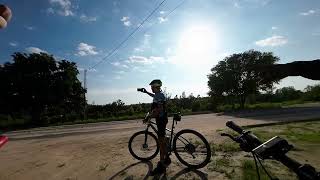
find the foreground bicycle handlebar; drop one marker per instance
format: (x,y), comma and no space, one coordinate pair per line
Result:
(275,148)
(3,140)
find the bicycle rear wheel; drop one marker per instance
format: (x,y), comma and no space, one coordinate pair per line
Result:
(191,148)
(143,145)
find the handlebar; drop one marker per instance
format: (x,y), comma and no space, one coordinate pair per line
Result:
(234,127)
(249,141)
(3,140)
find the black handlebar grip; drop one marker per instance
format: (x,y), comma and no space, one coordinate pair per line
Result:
(234,126)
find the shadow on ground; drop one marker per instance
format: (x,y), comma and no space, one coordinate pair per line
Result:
(192,172)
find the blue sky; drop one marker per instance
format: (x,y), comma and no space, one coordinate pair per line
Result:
(180,48)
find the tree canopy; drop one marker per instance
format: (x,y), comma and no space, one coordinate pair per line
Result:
(236,76)
(38,84)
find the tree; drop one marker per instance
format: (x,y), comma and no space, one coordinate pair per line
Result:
(312,93)
(287,93)
(37,83)
(236,76)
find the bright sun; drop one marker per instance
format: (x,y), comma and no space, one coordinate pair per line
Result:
(196,43)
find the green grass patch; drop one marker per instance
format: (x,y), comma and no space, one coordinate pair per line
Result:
(301,132)
(227,147)
(304,136)
(249,171)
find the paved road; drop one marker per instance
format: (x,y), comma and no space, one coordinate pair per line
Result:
(206,122)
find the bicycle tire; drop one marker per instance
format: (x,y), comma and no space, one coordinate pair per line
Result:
(205,142)
(134,154)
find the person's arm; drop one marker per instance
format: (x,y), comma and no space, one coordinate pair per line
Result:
(307,69)
(145,91)
(150,94)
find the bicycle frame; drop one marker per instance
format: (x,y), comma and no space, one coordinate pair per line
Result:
(172,134)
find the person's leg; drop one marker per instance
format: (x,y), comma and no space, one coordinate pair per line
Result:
(161,125)
(163,148)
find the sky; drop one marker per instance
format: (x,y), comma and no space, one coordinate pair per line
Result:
(179,44)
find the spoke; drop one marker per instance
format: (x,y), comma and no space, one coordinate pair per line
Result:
(180,147)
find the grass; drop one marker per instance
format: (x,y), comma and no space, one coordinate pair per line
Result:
(301,132)
(235,164)
(227,147)
(222,165)
(9,124)
(249,171)
(263,105)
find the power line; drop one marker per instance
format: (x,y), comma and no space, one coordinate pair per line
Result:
(127,38)
(148,29)
(170,12)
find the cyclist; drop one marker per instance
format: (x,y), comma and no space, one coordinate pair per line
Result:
(158,111)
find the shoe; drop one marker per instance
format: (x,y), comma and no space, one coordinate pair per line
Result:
(160,169)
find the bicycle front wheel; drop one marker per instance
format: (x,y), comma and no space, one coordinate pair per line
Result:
(143,145)
(191,148)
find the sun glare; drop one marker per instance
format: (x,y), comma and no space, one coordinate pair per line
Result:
(196,44)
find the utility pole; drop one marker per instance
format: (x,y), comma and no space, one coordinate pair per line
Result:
(85,88)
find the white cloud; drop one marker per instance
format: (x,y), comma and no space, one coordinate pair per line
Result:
(127,23)
(117,64)
(249,3)
(126,20)
(85,18)
(308,12)
(86,49)
(162,19)
(30,28)
(138,50)
(50,11)
(120,72)
(35,50)
(65,7)
(145,60)
(162,12)
(13,44)
(274,28)
(272,41)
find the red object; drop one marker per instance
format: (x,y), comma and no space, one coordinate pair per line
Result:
(3,140)
(5,15)
(5,12)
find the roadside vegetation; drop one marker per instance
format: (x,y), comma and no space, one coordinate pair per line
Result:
(40,90)
(233,163)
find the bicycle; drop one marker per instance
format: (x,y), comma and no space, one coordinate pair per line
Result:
(190,147)
(275,148)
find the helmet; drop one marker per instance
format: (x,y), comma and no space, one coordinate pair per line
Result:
(156,82)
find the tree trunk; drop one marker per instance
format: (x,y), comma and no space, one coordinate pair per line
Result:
(242,101)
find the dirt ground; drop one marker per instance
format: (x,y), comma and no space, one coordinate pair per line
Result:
(97,154)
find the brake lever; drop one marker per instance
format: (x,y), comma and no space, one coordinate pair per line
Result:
(231,137)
